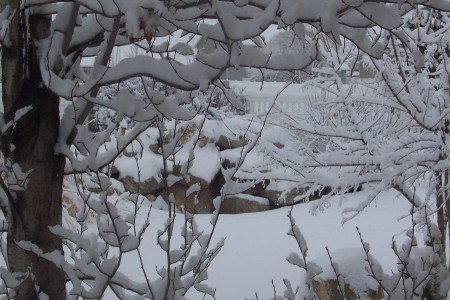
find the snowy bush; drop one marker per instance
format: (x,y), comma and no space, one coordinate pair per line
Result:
(421,272)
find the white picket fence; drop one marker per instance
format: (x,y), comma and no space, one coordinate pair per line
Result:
(292,98)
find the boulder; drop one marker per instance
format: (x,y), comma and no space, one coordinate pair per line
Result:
(242,203)
(157,203)
(329,290)
(150,186)
(70,204)
(203,141)
(129,152)
(198,202)
(154,148)
(183,134)
(279,198)
(227,143)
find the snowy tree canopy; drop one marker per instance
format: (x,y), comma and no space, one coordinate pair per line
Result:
(91,29)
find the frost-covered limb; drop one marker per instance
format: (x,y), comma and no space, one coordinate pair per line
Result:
(5,198)
(101,259)
(186,264)
(94,160)
(63,28)
(194,264)
(79,115)
(340,280)
(185,270)
(139,252)
(166,21)
(6,16)
(92,261)
(8,282)
(312,270)
(137,206)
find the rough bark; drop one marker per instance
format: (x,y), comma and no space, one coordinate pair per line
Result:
(30,145)
(447,211)
(440,194)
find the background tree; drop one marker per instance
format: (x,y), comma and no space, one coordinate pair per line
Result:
(425,22)
(387,132)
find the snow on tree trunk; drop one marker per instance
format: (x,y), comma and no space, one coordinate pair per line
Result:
(35,172)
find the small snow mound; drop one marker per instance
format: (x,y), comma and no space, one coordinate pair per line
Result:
(351,264)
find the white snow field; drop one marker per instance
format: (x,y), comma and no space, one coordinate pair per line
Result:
(256,244)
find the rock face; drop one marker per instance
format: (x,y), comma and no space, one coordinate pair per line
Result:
(225,150)
(255,199)
(201,201)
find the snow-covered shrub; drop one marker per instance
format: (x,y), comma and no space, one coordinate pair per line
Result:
(420,268)
(421,271)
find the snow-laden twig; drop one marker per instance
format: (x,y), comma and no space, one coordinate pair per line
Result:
(312,270)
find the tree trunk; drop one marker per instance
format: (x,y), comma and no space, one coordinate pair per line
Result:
(447,210)
(30,145)
(440,195)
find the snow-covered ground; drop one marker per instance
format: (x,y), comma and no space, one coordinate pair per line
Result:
(256,244)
